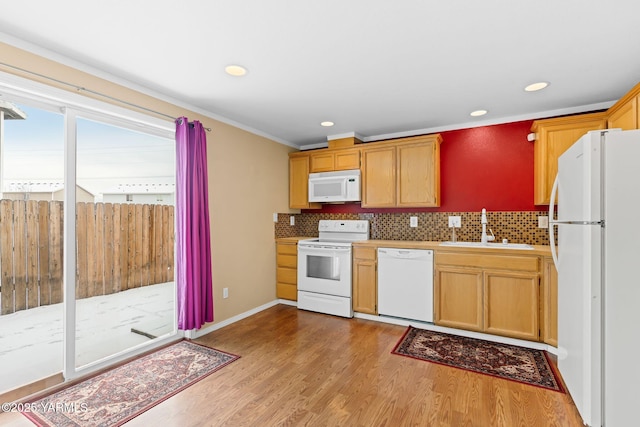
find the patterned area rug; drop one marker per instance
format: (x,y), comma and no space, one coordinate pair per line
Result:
(118,395)
(500,360)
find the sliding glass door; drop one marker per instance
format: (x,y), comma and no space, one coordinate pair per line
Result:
(31,259)
(86,233)
(125,293)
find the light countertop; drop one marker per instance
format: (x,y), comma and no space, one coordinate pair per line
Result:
(538,250)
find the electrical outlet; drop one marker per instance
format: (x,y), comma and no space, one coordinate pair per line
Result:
(543,222)
(413,221)
(455,221)
(225,292)
(292,220)
(275,217)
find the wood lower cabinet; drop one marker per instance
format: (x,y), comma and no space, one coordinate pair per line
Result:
(549,302)
(458,298)
(365,284)
(287,270)
(554,137)
(511,304)
(496,294)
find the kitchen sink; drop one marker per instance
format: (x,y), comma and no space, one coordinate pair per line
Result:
(488,245)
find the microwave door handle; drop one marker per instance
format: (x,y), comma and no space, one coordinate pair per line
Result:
(324,178)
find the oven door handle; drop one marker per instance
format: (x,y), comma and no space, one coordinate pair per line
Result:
(321,249)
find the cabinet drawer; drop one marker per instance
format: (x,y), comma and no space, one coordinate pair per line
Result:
(283,260)
(286,275)
(288,249)
(364,253)
(503,262)
(286,291)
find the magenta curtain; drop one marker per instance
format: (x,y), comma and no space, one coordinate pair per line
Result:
(193,237)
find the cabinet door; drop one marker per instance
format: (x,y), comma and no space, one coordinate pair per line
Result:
(321,162)
(419,174)
(554,137)
(458,298)
(346,160)
(299,183)
(365,298)
(379,177)
(624,117)
(286,271)
(511,304)
(549,303)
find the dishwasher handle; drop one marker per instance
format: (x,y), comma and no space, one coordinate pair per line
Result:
(404,253)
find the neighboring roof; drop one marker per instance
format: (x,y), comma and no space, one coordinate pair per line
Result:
(33,186)
(153,188)
(37,187)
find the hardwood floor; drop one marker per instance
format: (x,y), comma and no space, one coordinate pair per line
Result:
(303,368)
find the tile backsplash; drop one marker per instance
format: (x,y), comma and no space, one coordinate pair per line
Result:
(517,227)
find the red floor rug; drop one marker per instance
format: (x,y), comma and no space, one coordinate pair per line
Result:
(118,395)
(510,362)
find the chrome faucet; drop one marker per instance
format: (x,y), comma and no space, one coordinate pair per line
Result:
(484,239)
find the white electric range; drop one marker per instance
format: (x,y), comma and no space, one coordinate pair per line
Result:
(324,267)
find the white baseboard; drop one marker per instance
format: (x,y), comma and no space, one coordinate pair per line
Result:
(197,333)
(383,319)
(461,332)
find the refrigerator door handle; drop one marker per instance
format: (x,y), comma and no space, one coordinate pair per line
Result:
(552,223)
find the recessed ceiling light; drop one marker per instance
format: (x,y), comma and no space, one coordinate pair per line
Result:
(478,113)
(536,86)
(235,70)
(327,124)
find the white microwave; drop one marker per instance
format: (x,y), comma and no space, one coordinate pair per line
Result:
(339,186)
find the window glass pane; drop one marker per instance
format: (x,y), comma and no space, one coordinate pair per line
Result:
(31,218)
(125,191)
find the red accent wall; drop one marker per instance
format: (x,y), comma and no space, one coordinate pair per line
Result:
(485,167)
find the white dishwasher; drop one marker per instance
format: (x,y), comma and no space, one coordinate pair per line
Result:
(405,283)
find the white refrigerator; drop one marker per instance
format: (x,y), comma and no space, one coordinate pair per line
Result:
(598,263)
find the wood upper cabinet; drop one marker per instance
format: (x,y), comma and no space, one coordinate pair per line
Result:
(287,270)
(554,137)
(549,302)
(402,173)
(496,294)
(299,182)
(334,160)
(419,174)
(379,177)
(624,114)
(365,295)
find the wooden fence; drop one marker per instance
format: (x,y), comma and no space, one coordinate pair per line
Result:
(119,247)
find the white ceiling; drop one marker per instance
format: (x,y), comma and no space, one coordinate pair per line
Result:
(378,68)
